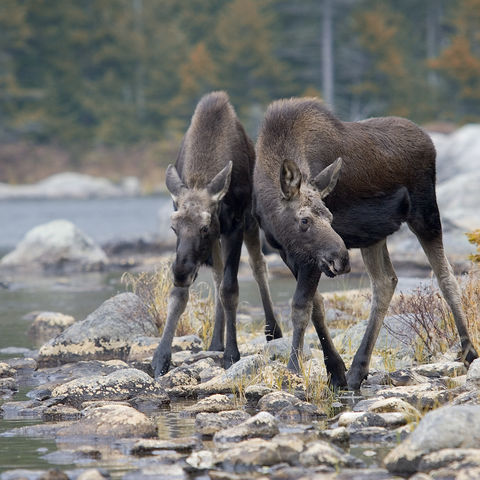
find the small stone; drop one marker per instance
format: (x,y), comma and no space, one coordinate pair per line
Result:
(346,418)
(210,423)
(58,413)
(395,405)
(339,436)
(386,420)
(321,453)
(275,401)
(262,425)
(47,325)
(202,460)
(301,412)
(253,393)
(6,370)
(92,474)
(151,446)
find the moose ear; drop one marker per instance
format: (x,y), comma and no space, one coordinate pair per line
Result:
(326,180)
(220,184)
(290,179)
(174,182)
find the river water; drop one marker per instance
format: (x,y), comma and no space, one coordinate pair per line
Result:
(78,295)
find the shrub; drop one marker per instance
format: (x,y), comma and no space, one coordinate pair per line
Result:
(474,237)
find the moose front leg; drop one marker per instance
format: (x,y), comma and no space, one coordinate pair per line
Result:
(217,343)
(232,247)
(333,361)
(302,305)
(177,302)
(259,269)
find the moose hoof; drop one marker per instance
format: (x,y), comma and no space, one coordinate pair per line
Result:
(161,363)
(230,358)
(338,380)
(470,356)
(216,347)
(355,379)
(277,333)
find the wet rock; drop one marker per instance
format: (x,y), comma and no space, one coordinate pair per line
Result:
(6,370)
(47,325)
(212,404)
(20,410)
(150,403)
(8,386)
(105,334)
(110,421)
(192,343)
(54,474)
(473,374)
(210,423)
(378,435)
(424,396)
(322,453)
(446,427)
(258,452)
(157,471)
(441,369)
(83,454)
(57,246)
(262,425)
(147,447)
(301,412)
(119,385)
(395,405)
(339,436)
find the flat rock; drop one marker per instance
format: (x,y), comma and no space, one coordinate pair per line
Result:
(106,333)
(149,446)
(446,427)
(211,423)
(262,425)
(212,404)
(119,385)
(322,453)
(424,396)
(441,369)
(394,404)
(453,458)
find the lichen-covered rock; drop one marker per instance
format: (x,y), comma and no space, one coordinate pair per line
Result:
(212,404)
(395,405)
(424,396)
(192,343)
(446,427)
(211,423)
(6,370)
(262,425)
(273,402)
(110,421)
(57,246)
(253,393)
(322,453)
(106,333)
(47,325)
(119,385)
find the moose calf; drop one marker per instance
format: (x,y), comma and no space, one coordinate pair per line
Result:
(211,188)
(322,186)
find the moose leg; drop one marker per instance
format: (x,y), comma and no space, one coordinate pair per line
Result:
(217,344)
(333,360)
(259,269)
(232,247)
(451,292)
(302,306)
(383,281)
(177,302)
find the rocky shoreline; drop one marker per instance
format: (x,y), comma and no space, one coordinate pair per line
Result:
(91,390)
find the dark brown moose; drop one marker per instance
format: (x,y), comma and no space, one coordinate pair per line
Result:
(322,186)
(211,186)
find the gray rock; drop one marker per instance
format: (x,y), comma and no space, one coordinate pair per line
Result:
(385,420)
(6,370)
(192,343)
(447,427)
(56,246)
(160,470)
(183,376)
(212,404)
(424,396)
(339,436)
(279,349)
(211,423)
(120,385)
(262,425)
(8,386)
(441,369)
(110,421)
(322,453)
(405,377)
(301,412)
(47,325)
(454,458)
(92,474)
(253,393)
(378,435)
(395,405)
(21,410)
(273,402)
(106,333)
(146,447)
(473,374)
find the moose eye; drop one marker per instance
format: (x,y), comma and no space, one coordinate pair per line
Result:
(204,230)
(304,223)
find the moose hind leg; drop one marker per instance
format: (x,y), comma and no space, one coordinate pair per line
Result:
(177,302)
(217,343)
(333,360)
(383,281)
(259,269)
(451,292)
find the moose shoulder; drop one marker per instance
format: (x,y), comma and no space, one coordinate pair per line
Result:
(211,188)
(322,186)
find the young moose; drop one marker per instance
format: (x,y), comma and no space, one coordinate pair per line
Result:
(211,187)
(322,186)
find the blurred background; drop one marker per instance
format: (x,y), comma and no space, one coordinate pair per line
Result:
(107,87)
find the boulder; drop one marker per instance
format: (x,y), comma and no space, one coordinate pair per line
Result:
(210,423)
(447,427)
(107,333)
(57,246)
(120,385)
(212,404)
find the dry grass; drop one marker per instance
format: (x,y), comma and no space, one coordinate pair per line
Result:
(154,288)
